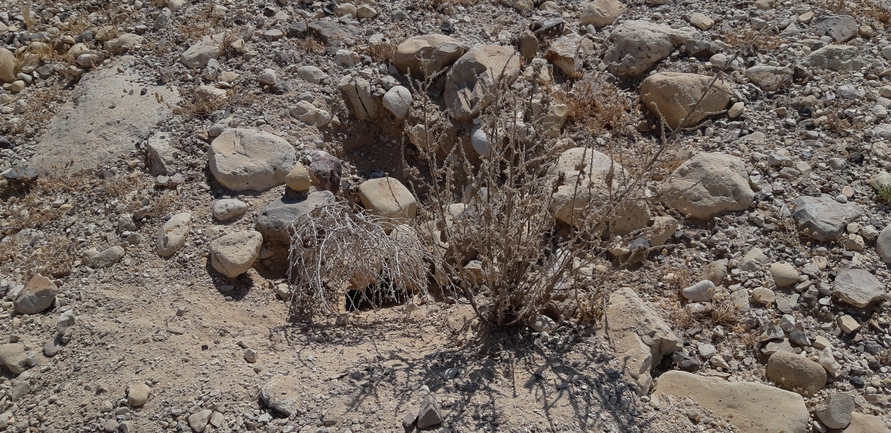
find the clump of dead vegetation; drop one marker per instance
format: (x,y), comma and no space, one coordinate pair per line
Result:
(877,10)
(750,38)
(382,53)
(597,105)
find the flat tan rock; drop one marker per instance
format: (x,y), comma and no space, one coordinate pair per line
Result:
(750,407)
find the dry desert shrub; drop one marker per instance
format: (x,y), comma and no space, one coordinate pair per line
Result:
(335,250)
(875,9)
(750,38)
(382,53)
(491,227)
(200,103)
(308,44)
(596,104)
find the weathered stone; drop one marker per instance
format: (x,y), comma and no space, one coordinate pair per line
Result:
(112,109)
(750,407)
(584,188)
(702,291)
(769,78)
(866,424)
(275,219)
(784,274)
(707,185)
(38,295)
(701,21)
(14,357)
(836,58)
(836,413)
(173,234)
(138,394)
(358,92)
(883,244)
(105,258)
(639,336)
(123,43)
(7,66)
(858,287)
(568,52)
(250,160)
(840,27)
(200,53)
(796,373)
(823,218)
(389,198)
(428,54)
(298,178)
(325,171)
(671,96)
(162,156)
(198,421)
(600,13)
(471,83)
(429,415)
(282,394)
(398,101)
(635,46)
(232,255)
(309,114)
(228,208)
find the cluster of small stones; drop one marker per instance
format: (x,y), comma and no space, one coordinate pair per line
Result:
(777,217)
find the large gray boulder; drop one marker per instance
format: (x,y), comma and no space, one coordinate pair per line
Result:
(635,46)
(250,160)
(473,80)
(111,110)
(707,185)
(823,218)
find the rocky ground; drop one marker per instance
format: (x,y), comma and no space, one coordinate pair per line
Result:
(154,155)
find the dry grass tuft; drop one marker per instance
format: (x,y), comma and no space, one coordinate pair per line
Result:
(46,102)
(597,105)
(197,103)
(309,44)
(876,10)
(382,53)
(749,37)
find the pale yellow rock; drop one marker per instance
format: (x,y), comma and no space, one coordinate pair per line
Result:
(387,197)
(298,178)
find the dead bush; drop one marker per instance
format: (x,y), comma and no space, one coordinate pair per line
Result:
(201,103)
(597,105)
(335,250)
(751,38)
(382,53)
